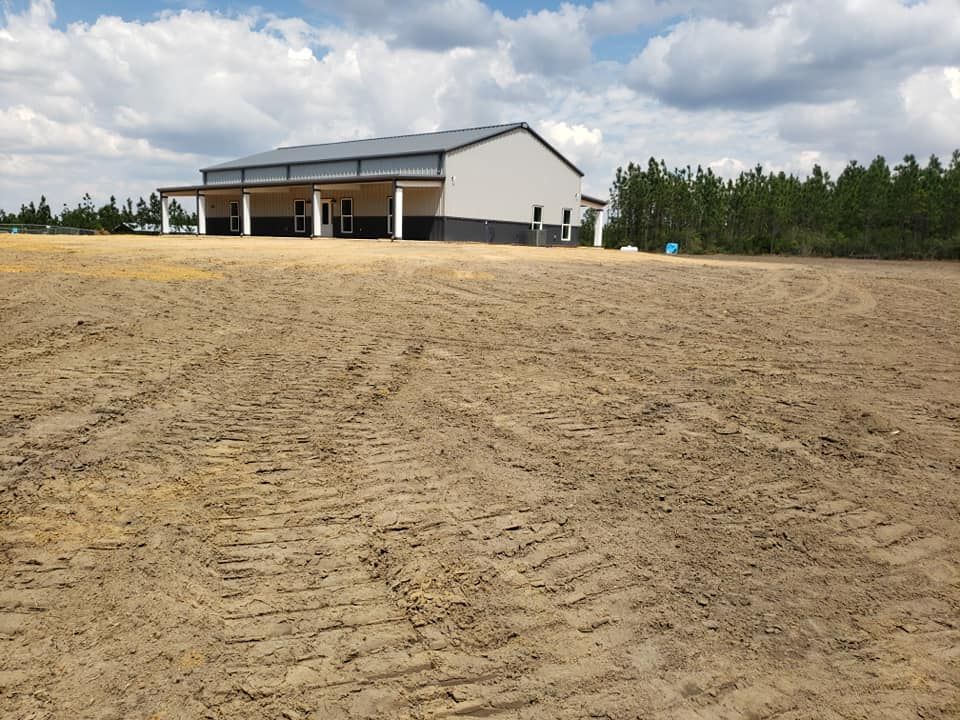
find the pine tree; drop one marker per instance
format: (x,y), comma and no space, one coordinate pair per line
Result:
(867,211)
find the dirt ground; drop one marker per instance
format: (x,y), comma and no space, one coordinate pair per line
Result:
(330,479)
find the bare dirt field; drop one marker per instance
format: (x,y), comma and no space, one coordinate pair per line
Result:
(327,479)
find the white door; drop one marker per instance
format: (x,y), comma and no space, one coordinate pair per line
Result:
(326,218)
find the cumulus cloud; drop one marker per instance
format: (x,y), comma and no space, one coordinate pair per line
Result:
(120,106)
(815,51)
(931,99)
(579,143)
(613,17)
(152,98)
(572,135)
(549,42)
(427,24)
(727,167)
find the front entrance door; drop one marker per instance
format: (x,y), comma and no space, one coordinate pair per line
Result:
(326,218)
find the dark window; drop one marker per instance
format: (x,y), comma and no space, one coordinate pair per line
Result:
(565,224)
(325,213)
(537,223)
(299,216)
(234,217)
(346,215)
(390,215)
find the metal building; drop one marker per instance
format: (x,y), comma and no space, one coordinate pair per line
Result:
(501,184)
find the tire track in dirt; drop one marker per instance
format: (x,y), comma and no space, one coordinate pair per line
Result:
(359,502)
(544,600)
(335,632)
(69,533)
(571,565)
(64,568)
(305,620)
(399,487)
(262,458)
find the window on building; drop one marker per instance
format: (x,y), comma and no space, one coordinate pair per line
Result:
(299,216)
(537,223)
(346,215)
(390,215)
(234,217)
(565,224)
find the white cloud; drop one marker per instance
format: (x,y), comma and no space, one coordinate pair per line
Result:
(815,51)
(572,135)
(579,143)
(727,167)
(953,78)
(22,127)
(427,24)
(614,17)
(198,86)
(549,42)
(123,107)
(931,100)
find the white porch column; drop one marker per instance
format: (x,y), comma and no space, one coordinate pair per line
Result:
(398,213)
(201,214)
(598,229)
(316,213)
(246,214)
(164,214)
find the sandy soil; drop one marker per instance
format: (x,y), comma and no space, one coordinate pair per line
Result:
(288,479)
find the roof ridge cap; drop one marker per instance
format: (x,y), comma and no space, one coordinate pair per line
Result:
(406,135)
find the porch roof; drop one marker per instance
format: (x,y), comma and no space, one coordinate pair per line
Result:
(593,202)
(349,180)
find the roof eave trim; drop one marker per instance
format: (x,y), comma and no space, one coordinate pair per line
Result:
(352,179)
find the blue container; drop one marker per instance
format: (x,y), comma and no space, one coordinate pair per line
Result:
(673,248)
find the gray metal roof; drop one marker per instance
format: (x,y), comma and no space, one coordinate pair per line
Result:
(373,147)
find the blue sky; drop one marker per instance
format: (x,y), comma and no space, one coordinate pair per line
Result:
(121,97)
(135,9)
(616,47)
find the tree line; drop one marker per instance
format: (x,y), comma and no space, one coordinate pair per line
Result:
(908,211)
(86,215)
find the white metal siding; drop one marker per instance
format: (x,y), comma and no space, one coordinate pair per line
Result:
(279,203)
(421,202)
(369,200)
(218,206)
(504,177)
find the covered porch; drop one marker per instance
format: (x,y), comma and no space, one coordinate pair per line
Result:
(600,206)
(378,208)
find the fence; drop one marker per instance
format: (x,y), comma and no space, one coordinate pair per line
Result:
(28,228)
